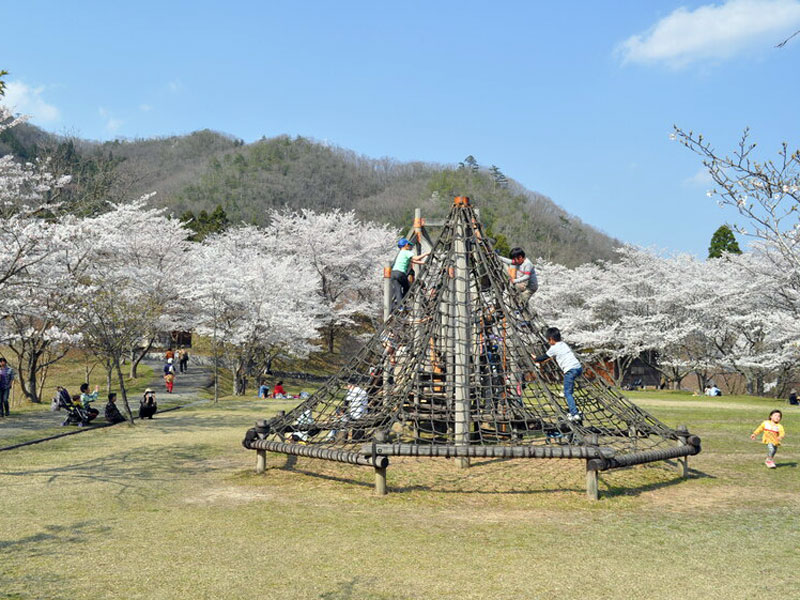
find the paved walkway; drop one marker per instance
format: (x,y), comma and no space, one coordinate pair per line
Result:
(25,426)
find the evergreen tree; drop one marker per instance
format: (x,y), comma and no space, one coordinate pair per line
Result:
(205,224)
(722,242)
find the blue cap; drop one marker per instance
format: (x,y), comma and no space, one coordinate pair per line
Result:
(404,242)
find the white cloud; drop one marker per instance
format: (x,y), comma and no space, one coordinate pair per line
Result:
(145,107)
(28,100)
(112,124)
(175,86)
(712,32)
(700,179)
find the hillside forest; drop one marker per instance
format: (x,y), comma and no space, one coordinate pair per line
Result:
(206,171)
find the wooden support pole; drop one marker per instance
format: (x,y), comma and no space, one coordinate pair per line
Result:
(462,350)
(418,229)
(380,481)
(262,428)
(592,489)
(387,292)
(682,462)
(387,310)
(261,461)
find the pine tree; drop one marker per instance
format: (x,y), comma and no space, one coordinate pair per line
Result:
(722,242)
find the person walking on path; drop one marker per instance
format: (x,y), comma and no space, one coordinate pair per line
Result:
(773,434)
(401,267)
(6,380)
(169,375)
(183,359)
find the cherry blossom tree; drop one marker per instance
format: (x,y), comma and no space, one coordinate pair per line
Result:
(765,192)
(346,254)
(126,286)
(251,301)
(38,310)
(29,270)
(718,316)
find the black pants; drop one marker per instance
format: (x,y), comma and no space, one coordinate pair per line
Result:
(182,364)
(4,402)
(399,285)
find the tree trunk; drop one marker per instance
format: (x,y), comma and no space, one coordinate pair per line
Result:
(136,359)
(216,365)
(33,391)
(701,381)
(239,378)
(33,388)
(330,334)
(122,391)
(109,372)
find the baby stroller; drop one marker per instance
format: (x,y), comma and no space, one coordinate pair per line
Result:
(76,413)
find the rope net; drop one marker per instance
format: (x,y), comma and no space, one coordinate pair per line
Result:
(453,367)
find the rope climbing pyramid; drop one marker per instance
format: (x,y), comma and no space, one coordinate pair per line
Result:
(451,374)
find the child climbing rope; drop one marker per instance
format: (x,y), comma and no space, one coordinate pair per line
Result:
(525,282)
(568,363)
(401,267)
(773,435)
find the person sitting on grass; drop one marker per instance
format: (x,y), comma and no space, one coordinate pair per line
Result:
(86,398)
(278,391)
(568,363)
(148,405)
(773,435)
(303,428)
(112,413)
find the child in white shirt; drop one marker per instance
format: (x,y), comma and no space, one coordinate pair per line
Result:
(568,363)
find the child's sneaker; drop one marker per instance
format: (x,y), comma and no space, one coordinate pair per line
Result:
(576,418)
(770,463)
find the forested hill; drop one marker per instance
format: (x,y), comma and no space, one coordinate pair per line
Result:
(204,169)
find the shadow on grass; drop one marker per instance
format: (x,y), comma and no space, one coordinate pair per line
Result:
(132,470)
(60,535)
(620,490)
(611,490)
(785,464)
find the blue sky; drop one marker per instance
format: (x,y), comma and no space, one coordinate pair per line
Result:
(575,100)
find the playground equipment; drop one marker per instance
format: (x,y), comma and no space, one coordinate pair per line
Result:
(451,375)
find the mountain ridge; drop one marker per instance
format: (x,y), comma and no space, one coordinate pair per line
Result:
(205,168)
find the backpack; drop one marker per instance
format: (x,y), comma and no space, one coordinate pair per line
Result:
(169,369)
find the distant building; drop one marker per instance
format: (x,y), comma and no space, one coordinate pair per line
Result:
(173,339)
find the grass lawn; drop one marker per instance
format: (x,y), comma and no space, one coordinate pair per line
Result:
(171,508)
